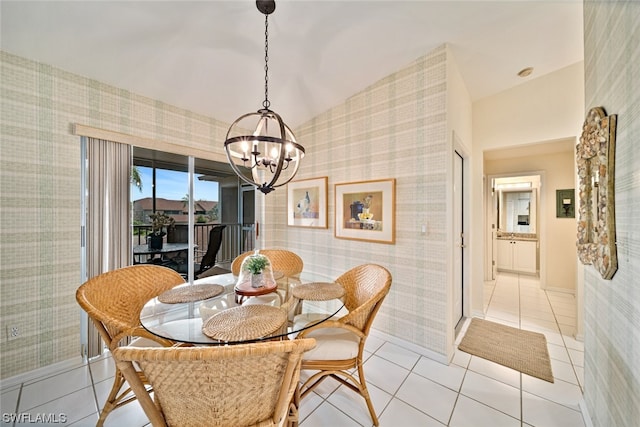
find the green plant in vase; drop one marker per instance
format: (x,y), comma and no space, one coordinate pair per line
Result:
(256,264)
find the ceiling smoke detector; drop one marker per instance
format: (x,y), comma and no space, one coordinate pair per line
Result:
(525,72)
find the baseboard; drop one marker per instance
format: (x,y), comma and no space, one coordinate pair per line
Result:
(585,413)
(410,346)
(38,373)
(560,290)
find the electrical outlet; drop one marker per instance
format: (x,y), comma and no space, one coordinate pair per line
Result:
(13,332)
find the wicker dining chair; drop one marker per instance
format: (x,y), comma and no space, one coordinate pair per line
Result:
(113,301)
(286,262)
(235,386)
(340,343)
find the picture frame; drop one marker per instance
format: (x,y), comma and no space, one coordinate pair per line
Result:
(307,203)
(365,211)
(565,203)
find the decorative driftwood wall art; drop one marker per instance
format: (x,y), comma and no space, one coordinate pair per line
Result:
(595,156)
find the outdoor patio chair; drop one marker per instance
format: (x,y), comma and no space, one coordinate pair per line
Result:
(209,259)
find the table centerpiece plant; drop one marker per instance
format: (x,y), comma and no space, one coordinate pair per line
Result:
(256,265)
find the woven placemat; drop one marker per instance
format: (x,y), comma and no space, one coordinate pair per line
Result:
(246,322)
(190,293)
(318,291)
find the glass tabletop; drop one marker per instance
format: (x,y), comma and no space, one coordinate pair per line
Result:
(222,319)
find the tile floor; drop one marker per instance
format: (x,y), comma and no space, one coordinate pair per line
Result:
(407,389)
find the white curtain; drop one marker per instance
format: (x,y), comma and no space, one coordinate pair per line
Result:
(108,234)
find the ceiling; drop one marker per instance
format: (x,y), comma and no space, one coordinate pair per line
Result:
(208,56)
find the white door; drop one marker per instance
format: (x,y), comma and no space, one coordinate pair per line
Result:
(458,236)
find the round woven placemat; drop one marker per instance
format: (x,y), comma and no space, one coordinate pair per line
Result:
(190,293)
(246,322)
(318,291)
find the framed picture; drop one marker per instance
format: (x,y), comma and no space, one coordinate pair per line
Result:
(565,204)
(307,203)
(366,211)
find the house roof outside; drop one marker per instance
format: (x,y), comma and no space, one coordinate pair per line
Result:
(170,207)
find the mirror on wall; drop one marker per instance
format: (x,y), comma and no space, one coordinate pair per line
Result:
(517,211)
(595,161)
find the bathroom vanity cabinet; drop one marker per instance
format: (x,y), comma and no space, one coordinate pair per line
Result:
(517,255)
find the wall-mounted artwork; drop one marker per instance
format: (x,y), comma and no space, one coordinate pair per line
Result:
(366,211)
(595,157)
(565,203)
(307,203)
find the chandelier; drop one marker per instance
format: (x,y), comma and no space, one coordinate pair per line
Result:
(261,140)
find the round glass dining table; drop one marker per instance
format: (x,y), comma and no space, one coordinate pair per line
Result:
(189,314)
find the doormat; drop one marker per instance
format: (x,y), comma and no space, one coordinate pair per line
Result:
(524,351)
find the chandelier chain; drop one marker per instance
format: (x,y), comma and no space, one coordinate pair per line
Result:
(266,102)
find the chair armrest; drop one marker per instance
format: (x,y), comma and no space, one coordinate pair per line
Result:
(331,324)
(139,331)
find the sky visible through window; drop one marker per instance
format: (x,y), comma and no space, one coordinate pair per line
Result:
(173,185)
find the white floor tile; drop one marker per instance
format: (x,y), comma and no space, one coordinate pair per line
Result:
(9,401)
(40,392)
(492,393)
(384,374)
(398,355)
(431,398)
(469,413)
(563,371)
(328,415)
(449,376)
(309,404)
(542,412)
(559,391)
(355,406)
(399,414)
(495,371)
(558,352)
(577,357)
(73,407)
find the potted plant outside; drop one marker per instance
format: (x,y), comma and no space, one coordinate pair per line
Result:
(160,223)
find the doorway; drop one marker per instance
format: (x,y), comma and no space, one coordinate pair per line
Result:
(458,234)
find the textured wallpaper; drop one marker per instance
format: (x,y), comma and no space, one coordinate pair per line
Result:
(40,196)
(395,128)
(612,307)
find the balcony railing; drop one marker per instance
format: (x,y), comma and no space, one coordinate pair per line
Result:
(236,239)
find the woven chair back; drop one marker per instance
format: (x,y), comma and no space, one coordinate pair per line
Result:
(288,263)
(114,300)
(243,385)
(365,287)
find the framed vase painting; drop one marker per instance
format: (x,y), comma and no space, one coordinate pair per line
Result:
(366,211)
(307,203)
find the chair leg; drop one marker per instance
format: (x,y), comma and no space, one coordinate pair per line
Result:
(111,401)
(365,393)
(117,397)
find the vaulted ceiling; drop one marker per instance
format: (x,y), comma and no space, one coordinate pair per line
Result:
(208,56)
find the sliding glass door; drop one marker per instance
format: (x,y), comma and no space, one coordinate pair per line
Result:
(160,186)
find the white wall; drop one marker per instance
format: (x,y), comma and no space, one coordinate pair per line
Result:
(544,109)
(560,233)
